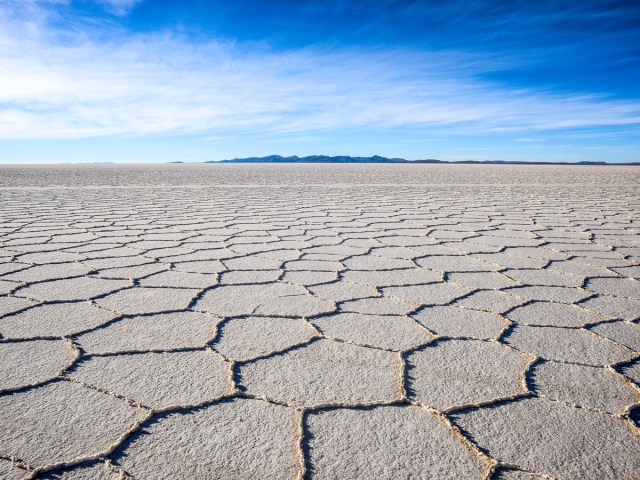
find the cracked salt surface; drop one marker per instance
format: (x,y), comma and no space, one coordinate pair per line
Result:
(332,321)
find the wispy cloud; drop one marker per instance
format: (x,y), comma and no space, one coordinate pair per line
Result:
(119,7)
(60,78)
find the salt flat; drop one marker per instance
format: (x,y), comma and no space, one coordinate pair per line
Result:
(327,321)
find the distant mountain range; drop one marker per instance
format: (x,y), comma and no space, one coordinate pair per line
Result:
(316,159)
(379,159)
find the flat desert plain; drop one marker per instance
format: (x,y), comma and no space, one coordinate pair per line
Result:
(319,322)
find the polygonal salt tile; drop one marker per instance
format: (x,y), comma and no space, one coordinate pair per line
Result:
(393,332)
(314,265)
(246,338)
(452,321)
(116,263)
(379,305)
(456,263)
(252,262)
(632,252)
(264,299)
(340,291)
(622,287)
(7,286)
(511,261)
(544,278)
(82,288)
(583,248)
(580,269)
(10,304)
(387,442)
(565,345)
(449,374)
(632,371)
(10,471)
(617,307)
(340,250)
(210,254)
(167,254)
(552,314)
(13,266)
(382,278)
(281,254)
(99,251)
(162,331)
(50,257)
(503,474)
(549,294)
(444,234)
(31,362)
(6,268)
(491,301)
(257,249)
(555,440)
(200,266)
(98,471)
(153,244)
(371,262)
(36,245)
(136,271)
(632,271)
(240,277)
(624,333)
(78,237)
(360,242)
(48,272)
(309,278)
(473,246)
(148,300)
(64,417)
(179,279)
(259,240)
(431,294)
(173,236)
(422,244)
(54,320)
(536,252)
(481,279)
(325,372)
(506,237)
(158,379)
(586,386)
(227,441)
(397,252)
(601,255)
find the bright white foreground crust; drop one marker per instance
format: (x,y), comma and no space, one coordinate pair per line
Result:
(319,322)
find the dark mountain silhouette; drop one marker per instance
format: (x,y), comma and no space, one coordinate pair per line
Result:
(379,159)
(314,159)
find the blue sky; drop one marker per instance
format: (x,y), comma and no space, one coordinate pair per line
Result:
(169,80)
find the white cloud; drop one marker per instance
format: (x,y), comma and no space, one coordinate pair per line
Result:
(72,83)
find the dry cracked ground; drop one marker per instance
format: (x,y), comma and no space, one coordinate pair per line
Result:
(327,322)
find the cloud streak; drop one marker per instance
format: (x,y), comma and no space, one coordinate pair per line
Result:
(119,7)
(62,78)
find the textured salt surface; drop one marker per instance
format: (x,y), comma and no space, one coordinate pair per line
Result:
(334,321)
